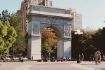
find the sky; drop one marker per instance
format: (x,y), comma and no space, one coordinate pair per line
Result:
(93,11)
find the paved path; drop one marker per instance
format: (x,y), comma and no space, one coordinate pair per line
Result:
(101,66)
(72,65)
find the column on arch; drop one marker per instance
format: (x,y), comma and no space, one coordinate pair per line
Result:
(67,41)
(34,40)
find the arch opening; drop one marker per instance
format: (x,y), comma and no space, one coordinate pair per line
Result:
(50,38)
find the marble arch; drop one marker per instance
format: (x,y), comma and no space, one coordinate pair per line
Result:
(41,17)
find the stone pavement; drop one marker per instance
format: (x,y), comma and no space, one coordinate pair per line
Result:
(100,66)
(32,65)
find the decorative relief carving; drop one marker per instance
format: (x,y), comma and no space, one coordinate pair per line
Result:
(36,28)
(67,31)
(55,20)
(50,20)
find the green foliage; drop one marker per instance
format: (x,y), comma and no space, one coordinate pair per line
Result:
(49,41)
(20,46)
(15,21)
(1,42)
(83,44)
(46,48)
(4,30)
(7,37)
(99,39)
(88,43)
(4,16)
(8,33)
(12,32)
(1,25)
(49,36)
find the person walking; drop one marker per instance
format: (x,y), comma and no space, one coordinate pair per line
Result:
(97,56)
(91,58)
(103,57)
(82,56)
(79,58)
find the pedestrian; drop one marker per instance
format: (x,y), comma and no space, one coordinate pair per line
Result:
(78,58)
(103,57)
(91,58)
(32,58)
(82,56)
(64,58)
(97,56)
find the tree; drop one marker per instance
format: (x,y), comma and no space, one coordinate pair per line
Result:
(99,39)
(49,41)
(10,27)
(20,47)
(46,50)
(88,45)
(4,16)
(83,44)
(49,36)
(7,37)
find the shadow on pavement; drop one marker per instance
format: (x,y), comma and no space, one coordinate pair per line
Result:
(100,69)
(88,64)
